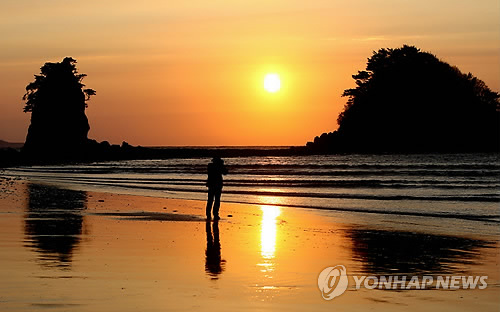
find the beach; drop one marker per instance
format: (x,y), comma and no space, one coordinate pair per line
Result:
(66,248)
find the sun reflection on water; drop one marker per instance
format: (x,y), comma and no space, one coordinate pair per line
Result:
(267,289)
(268,231)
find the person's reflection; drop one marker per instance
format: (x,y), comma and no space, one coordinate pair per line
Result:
(214,264)
(53,224)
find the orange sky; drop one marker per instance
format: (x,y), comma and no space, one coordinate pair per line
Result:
(191,72)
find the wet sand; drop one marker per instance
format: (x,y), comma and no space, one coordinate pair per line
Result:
(75,250)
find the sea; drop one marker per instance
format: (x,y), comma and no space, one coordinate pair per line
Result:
(457,186)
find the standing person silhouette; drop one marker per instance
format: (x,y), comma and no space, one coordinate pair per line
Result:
(214,183)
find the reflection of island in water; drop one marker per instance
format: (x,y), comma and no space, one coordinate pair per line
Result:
(214,264)
(53,224)
(398,252)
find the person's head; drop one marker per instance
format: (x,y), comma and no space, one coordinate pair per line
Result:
(217,160)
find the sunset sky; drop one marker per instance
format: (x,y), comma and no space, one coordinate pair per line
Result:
(192,72)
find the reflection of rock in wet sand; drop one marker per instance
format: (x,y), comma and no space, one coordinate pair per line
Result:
(388,252)
(214,264)
(53,224)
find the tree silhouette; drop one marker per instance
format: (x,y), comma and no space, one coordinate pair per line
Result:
(57,102)
(410,101)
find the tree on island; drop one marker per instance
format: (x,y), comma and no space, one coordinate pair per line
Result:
(57,102)
(410,101)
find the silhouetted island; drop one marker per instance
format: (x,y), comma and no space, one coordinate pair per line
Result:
(59,126)
(410,101)
(56,101)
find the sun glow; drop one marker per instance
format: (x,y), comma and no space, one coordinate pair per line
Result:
(269,231)
(272,83)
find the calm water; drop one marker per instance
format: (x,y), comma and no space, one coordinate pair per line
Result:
(463,186)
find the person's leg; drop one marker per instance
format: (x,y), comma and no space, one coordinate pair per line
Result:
(215,227)
(210,200)
(217,195)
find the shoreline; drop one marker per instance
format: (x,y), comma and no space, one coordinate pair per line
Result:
(433,222)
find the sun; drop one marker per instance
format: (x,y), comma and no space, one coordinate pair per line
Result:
(272,83)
